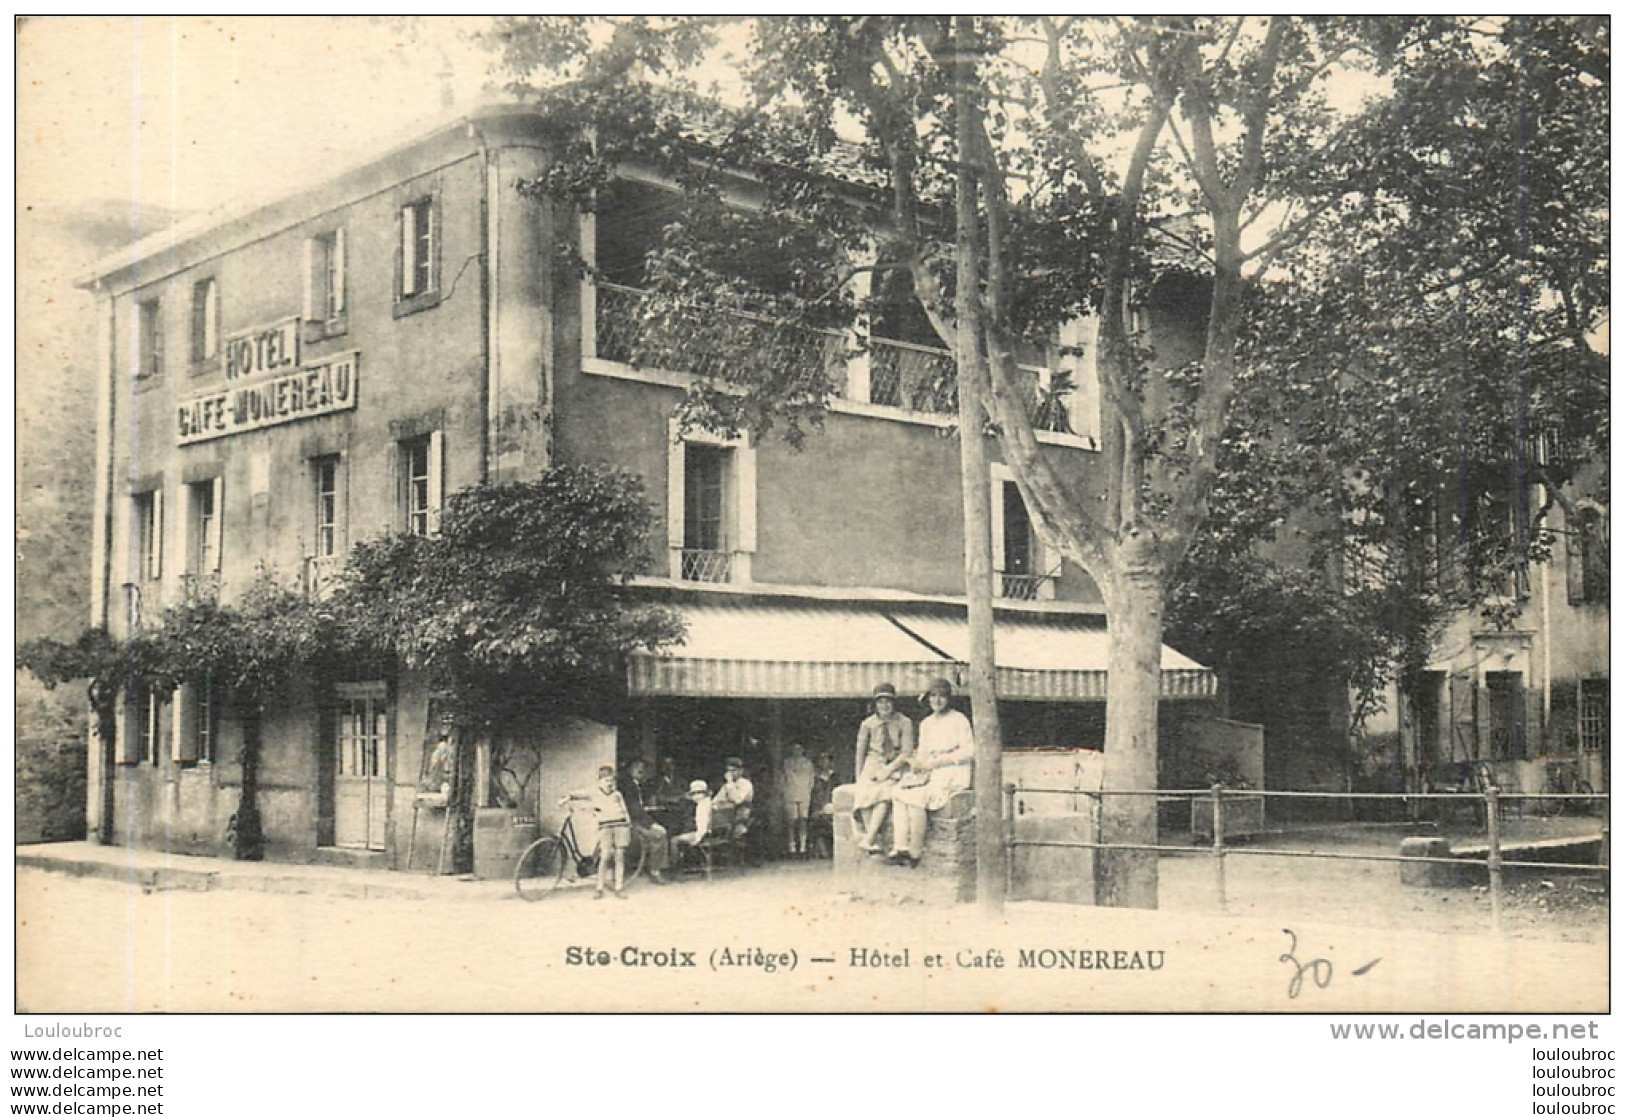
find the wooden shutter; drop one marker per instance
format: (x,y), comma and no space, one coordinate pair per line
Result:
(437,447)
(408,239)
(218,526)
(308,296)
(155,542)
(337,274)
(1463,744)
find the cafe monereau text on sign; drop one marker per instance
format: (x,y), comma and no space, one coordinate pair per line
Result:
(266,386)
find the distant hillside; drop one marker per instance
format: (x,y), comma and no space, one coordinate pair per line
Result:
(56,404)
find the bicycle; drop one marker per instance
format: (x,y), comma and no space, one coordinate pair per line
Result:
(547,861)
(1563,778)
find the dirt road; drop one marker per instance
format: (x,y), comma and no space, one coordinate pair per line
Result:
(749,942)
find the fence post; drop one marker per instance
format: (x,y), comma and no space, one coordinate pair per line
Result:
(1218,844)
(1492,816)
(1009,837)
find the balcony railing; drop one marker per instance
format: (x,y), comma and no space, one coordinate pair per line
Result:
(200,589)
(143,604)
(1025,587)
(902,374)
(709,344)
(913,377)
(321,575)
(707,566)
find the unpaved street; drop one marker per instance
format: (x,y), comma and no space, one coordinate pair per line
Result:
(745,942)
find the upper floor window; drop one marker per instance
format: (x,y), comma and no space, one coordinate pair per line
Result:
(205,725)
(420,471)
(205,320)
(705,534)
(325,476)
(147,513)
(326,279)
(711,508)
(203,550)
(146,726)
(418,281)
(149,339)
(1025,571)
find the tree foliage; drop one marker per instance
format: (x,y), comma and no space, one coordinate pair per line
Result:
(519,602)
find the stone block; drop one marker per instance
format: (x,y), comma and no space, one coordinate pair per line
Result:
(947,870)
(1050,873)
(1427,873)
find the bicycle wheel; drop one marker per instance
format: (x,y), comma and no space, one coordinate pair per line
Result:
(540,869)
(637,854)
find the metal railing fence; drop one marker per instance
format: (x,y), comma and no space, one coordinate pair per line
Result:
(1490,801)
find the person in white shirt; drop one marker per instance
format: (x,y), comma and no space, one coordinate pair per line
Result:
(797,782)
(736,793)
(699,795)
(940,767)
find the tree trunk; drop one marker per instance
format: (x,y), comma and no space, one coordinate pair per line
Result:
(1126,878)
(250,844)
(106,710)
(975,485)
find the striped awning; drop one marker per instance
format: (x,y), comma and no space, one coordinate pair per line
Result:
(751,649)
(1054,659)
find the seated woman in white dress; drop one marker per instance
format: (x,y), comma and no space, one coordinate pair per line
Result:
(940,767)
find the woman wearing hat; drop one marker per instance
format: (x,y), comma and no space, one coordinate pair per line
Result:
(885,744)
(940,767)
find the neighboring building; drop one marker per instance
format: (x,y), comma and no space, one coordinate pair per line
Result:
(1529,696)
(286,381)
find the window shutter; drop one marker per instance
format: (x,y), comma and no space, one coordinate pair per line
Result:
(341,504)
(1463,718)
(155,555)
(431,250)
(408,273)
(437,447)
(218,527)
(338,272)
(1574,544)
(308,296)
(211,320)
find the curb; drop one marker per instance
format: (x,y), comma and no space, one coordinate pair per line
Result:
(171,878)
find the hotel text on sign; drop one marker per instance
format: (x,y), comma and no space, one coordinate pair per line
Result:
(263,349)
(320,389)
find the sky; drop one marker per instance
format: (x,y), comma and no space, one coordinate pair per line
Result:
(192,113)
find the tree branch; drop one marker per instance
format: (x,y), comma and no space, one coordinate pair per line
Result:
(1257,115)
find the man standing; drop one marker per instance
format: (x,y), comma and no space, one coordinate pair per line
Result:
(634,784)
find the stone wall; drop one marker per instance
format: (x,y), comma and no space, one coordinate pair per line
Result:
(946,873)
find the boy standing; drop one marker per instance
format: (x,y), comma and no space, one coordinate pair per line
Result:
(614,829)
(797,782)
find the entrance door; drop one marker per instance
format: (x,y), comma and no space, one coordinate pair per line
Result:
(360,783)
(1505,694)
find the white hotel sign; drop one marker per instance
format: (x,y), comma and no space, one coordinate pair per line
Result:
(323,388)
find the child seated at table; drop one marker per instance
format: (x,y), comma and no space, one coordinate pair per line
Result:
(696,818)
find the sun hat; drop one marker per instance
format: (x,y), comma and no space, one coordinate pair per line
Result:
(884,690)
(699,787)
(940,686)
